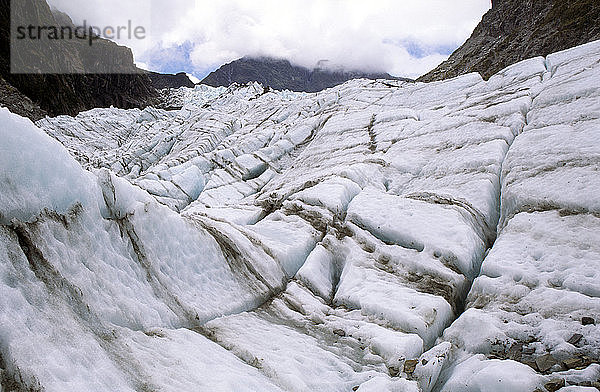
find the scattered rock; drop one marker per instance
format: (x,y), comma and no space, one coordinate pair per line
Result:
(339,332)
(355,388)
(555,384)
(545,362)
(157,333)
(515,352)
(587,360)
(575,338)
(498,350)
(531,364)
(573,363)
(393,371)
(531,339)
(410,365)
(588,321)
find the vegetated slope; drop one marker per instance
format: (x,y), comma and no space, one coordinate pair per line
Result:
(514,30)
(72,93)
(378,236)
(281,75)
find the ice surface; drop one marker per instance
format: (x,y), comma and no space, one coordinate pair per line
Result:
(37,173)
(35,348)
(290,239)
(183,360)
(440,230)
(318,272)
(376,236)
(305,345)
(536,285)
(536,299)
(430,366)
(477,374)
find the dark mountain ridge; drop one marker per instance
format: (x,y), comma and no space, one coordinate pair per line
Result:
(280,74)
(75,91)
(515,30)
(162,81)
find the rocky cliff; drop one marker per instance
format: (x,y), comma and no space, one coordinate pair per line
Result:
(282,75)
(71,93)
(515,30)
(18,103)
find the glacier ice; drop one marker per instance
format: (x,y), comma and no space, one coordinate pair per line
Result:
(376,236)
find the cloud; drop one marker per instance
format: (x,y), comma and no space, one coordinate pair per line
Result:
(403,37)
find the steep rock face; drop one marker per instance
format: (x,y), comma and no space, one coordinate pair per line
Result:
(72,93)
(18,103)
(281,75)
(514,30)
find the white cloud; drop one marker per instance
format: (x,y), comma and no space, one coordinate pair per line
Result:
(376,35)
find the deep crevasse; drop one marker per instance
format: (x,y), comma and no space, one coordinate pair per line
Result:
(323,239)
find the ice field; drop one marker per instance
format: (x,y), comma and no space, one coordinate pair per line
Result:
(377,236)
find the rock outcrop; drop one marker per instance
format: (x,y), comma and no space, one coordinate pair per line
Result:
(18,103)
(71,93)
(162,81)
(515,30)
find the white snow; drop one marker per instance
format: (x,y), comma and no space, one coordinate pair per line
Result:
(430,366)
(318,272)
(440,230)
(477,374)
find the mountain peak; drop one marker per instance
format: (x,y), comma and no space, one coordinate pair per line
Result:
(280,74)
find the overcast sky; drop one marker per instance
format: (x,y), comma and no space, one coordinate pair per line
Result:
(402,37)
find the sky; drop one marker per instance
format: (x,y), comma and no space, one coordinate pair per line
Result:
(402,37)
